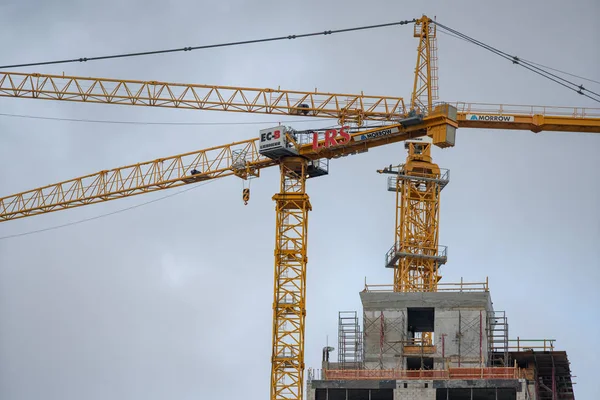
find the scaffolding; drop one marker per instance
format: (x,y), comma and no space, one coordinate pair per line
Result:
(498,338)
(386,333)
(470,338)
(349,340)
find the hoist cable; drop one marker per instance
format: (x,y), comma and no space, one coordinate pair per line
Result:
(209,46)
(525,64)
(533,63)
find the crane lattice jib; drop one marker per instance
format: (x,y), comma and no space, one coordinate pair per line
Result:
(527,117)
(243,159)
(345,107)
(239,158)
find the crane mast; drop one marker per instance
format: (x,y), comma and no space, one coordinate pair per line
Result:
(425,88)
(415,256)
(289,303)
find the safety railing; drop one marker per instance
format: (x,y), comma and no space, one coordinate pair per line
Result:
(442,179)
(416,342)
(519,344)
(414,251)
(575,112)
(397,374)
(484,373)
(441,287)
(418,346)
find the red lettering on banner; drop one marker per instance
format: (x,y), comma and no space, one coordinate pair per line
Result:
(331,138)
(345,135)
(330,135)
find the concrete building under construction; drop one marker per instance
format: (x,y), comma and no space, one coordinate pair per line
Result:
(445,345)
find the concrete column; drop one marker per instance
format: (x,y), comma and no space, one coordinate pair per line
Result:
(414,390)
(524,394)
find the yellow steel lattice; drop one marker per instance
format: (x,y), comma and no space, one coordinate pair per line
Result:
(289,311)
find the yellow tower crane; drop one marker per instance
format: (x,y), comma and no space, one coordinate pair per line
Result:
(415,256)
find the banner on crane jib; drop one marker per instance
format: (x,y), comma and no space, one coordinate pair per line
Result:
(490,118)
(272,138)
(377,134)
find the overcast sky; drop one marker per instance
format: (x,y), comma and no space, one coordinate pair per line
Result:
(174,299)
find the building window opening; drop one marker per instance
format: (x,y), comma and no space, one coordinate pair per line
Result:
(420,325)
(416,363)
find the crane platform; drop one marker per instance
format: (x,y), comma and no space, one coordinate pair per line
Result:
(396,252)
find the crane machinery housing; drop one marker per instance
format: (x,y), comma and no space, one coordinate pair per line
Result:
(415,255)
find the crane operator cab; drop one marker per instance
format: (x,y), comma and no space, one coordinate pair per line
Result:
(277,142)
(280,141)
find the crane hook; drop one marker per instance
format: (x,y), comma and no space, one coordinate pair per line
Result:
(246,195)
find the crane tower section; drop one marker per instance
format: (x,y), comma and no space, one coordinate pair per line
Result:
(425,89)
(289,303)
(416,256)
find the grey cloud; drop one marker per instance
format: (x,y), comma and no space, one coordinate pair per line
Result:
(173,299)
